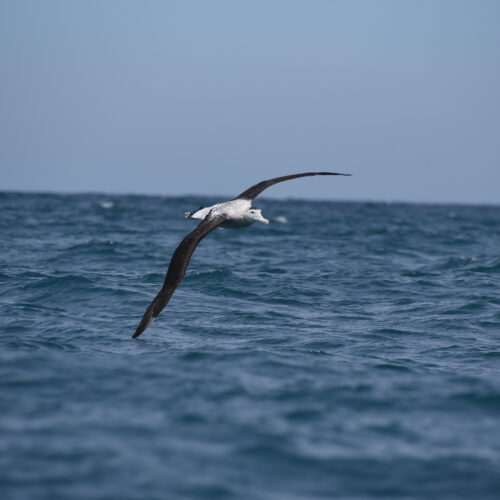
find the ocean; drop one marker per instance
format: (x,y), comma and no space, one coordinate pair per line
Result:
(346,351)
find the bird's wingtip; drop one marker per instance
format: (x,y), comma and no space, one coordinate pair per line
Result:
(333,173)
(142,326)
(137,333)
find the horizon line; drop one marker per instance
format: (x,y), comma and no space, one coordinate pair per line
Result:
(289,198)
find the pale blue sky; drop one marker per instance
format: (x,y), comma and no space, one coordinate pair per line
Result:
(209,97)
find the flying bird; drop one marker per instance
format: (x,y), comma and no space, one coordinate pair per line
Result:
(238,212)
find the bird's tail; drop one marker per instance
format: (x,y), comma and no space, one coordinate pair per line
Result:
(189,215)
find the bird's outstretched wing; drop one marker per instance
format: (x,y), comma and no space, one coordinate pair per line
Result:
(254,191)
(177,269)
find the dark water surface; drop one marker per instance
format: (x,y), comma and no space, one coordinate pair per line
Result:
(347,350)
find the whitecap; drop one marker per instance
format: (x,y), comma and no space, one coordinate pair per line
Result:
(281,219)
(106,204)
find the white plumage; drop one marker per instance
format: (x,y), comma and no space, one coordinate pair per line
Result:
(238,213)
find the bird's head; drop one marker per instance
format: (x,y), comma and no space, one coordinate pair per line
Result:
(255,214)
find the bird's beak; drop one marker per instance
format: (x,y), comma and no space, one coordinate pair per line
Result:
(262,219)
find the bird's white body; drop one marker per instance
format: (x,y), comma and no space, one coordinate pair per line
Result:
(239,213)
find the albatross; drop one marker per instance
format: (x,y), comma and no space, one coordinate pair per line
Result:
(235,213)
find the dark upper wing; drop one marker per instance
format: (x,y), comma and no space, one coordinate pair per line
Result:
(177,269)
(254,191)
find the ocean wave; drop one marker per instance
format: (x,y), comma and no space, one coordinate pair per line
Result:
(342,355)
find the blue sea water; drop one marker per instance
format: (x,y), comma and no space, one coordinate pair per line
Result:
(347,351)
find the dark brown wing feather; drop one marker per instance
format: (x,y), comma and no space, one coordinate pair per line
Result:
(177,269)
(254,191)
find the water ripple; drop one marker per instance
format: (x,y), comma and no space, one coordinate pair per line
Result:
(349,352)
